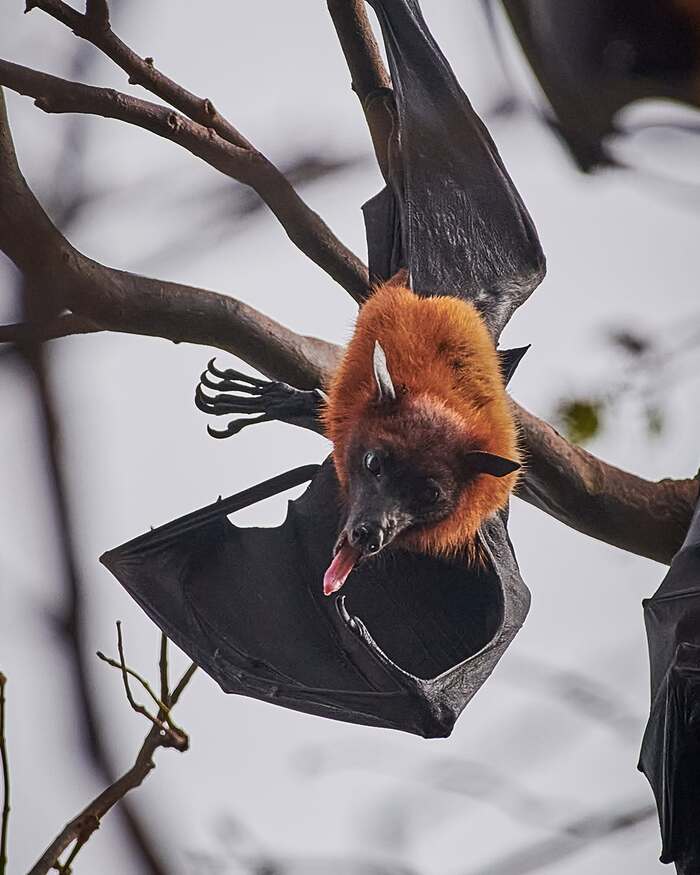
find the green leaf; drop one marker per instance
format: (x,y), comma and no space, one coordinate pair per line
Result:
(580,419)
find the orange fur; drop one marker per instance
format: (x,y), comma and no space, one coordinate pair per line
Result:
(441,356)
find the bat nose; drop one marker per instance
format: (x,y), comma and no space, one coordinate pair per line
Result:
(368,536)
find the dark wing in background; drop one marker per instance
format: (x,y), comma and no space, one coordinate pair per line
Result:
(414,637)
(593,57)
(460,226)
(670,756)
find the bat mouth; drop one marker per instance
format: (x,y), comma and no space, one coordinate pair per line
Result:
(346,557)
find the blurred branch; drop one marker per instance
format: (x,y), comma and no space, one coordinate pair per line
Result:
(5,779)
(589,696)
(82,826)
(71,623)
(573,838)
(197,127)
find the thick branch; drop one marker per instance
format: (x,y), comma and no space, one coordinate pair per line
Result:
(304,227)
(102,298)
(600,500)
(370,80)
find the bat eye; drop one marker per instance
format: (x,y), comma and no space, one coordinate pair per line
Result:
(431,494)
(373,463)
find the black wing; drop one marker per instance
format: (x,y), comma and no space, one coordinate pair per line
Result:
(670,756)
(593,57)
(457,220)
(407,648)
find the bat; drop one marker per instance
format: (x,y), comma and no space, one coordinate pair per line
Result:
(670,754)
(414,635)
(594,57)
(424,444)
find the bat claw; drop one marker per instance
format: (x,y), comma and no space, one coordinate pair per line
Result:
(273,400)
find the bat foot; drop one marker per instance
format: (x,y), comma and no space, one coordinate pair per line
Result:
(255,399)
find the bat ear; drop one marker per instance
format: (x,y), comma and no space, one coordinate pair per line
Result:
(382,376)
(489,463)
(509,359)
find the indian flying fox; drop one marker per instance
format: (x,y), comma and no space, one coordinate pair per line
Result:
(425,443)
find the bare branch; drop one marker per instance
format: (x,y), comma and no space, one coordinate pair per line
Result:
(136,676)
(84,825)
(182,683)
(370,80)
(163,670)
(600,500)
(304,227)
(5,779)
(62,326)
(97,14)
(103,298)
(141,71)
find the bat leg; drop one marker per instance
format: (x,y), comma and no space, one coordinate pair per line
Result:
(238,393)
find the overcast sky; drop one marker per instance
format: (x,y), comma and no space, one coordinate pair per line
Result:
(525,759)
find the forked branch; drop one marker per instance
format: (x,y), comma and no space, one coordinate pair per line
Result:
(193,123)
(163,734)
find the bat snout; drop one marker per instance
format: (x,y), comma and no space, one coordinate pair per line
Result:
(369,537)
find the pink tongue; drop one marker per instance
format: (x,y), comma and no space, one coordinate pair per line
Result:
(342,564)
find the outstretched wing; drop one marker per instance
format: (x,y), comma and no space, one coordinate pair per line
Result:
(415,636)
(670,755)
(407,648)
(457,220)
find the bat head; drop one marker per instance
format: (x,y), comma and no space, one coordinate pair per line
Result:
(408,463)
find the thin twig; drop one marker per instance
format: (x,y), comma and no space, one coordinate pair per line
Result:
(5,779)
(137,677)
(141,71)
(140,709)
(180,687)
(163,669)
(84,824)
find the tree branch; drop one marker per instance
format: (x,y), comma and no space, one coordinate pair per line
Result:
(640,516)
(102,298)
(84,825)
(94,27)
(303,226)
(370,80)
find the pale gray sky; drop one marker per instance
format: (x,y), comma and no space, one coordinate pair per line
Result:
(524,760)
